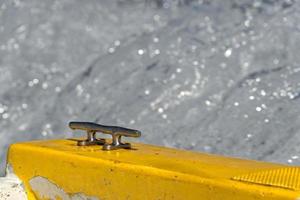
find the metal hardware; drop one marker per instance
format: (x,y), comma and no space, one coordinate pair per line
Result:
(115,131)
(91,130)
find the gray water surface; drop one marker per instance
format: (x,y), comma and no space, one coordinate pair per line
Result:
(214,76)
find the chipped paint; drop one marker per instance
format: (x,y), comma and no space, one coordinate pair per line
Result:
(45,189)
(11,187)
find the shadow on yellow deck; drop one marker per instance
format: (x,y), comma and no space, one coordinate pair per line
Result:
(58,169)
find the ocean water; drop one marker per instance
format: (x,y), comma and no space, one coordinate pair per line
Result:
(209,75)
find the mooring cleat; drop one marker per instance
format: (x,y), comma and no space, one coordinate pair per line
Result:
(91,134)
(115,131)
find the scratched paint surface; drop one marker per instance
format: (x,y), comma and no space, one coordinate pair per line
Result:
(214,76)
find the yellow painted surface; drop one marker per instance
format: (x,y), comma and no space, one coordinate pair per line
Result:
(146,172)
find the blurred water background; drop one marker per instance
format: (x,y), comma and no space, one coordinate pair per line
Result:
(208,75)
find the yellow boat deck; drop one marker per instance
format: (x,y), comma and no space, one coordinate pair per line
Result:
(59,169)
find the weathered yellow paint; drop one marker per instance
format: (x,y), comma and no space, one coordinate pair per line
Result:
(146,172)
